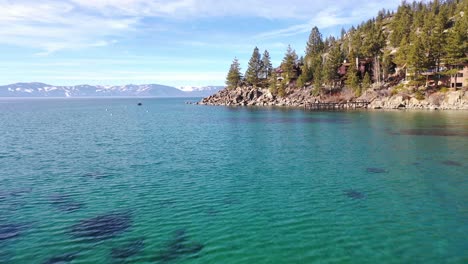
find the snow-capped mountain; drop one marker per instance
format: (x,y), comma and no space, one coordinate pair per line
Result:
(36,89)
(201,91)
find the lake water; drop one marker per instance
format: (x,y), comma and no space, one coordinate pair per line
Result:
(107,181)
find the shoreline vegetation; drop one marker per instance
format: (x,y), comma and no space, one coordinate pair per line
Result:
(415,58)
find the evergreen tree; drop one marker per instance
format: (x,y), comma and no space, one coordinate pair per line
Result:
(307,74)
(366,82)
(373,42)
(234,75)
(438,39)
(289,64)
(417,59)
(343,33)
(254,69)
(457,43)
(356,44)
(273,83)
(267,67)
(401,24)
(317,80)
(402,53)
(332,63)
(281,91)
(315,43)
(352,79)
(386,64)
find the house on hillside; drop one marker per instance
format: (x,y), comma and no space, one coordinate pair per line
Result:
(460,80)
(362,64)
(279,74)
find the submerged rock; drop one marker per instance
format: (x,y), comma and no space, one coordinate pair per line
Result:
(102,227)
(59,259)
(452,163)
(433,132)
(96,175)
(128,250)
(376,170)
(353,194)
(65,203)
(14,193)
(11,230)
(179,247)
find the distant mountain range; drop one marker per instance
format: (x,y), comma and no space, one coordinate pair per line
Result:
(36,89)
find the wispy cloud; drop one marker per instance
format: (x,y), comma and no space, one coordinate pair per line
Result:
(334,15)
(178,42)
(53,25)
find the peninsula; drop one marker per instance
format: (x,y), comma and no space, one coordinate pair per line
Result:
(415,57)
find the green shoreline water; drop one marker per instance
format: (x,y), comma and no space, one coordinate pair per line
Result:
(231,185)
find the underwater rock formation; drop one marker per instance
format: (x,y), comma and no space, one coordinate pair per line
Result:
(128,250)
(452,163)
(353,194)
(103,226)
(61,259)
(179,247)
(11,230)
(376,170)
(65,203)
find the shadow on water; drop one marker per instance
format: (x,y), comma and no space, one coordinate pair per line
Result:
(376,170)
(353,194)
(178,247)
(128,250)
(288,120)
(96,175)
(61,259)
(429,132)
(12,230)
(4,194)
(452,163)
(103,226)
(65,203)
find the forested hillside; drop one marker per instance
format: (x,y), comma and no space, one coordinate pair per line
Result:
(421,44)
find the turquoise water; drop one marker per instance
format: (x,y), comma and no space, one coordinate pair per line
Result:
(107,181)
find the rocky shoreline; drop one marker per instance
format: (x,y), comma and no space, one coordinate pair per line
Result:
(300,98)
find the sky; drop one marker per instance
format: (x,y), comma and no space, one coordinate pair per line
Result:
(170,42)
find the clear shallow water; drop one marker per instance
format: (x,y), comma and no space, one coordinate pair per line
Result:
(107,181)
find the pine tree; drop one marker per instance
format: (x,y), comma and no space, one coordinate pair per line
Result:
(438,38)
(315,43)
(234,75)
(307,74)
(254,69)
(356,43)
(402,53)
(343,33)
(273,83)
(317,80)
(417,59)
(401,24)
(457,43)
(332,63)
(352,79)
(366,82)
(281,89)
(289,64)
(267,67)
